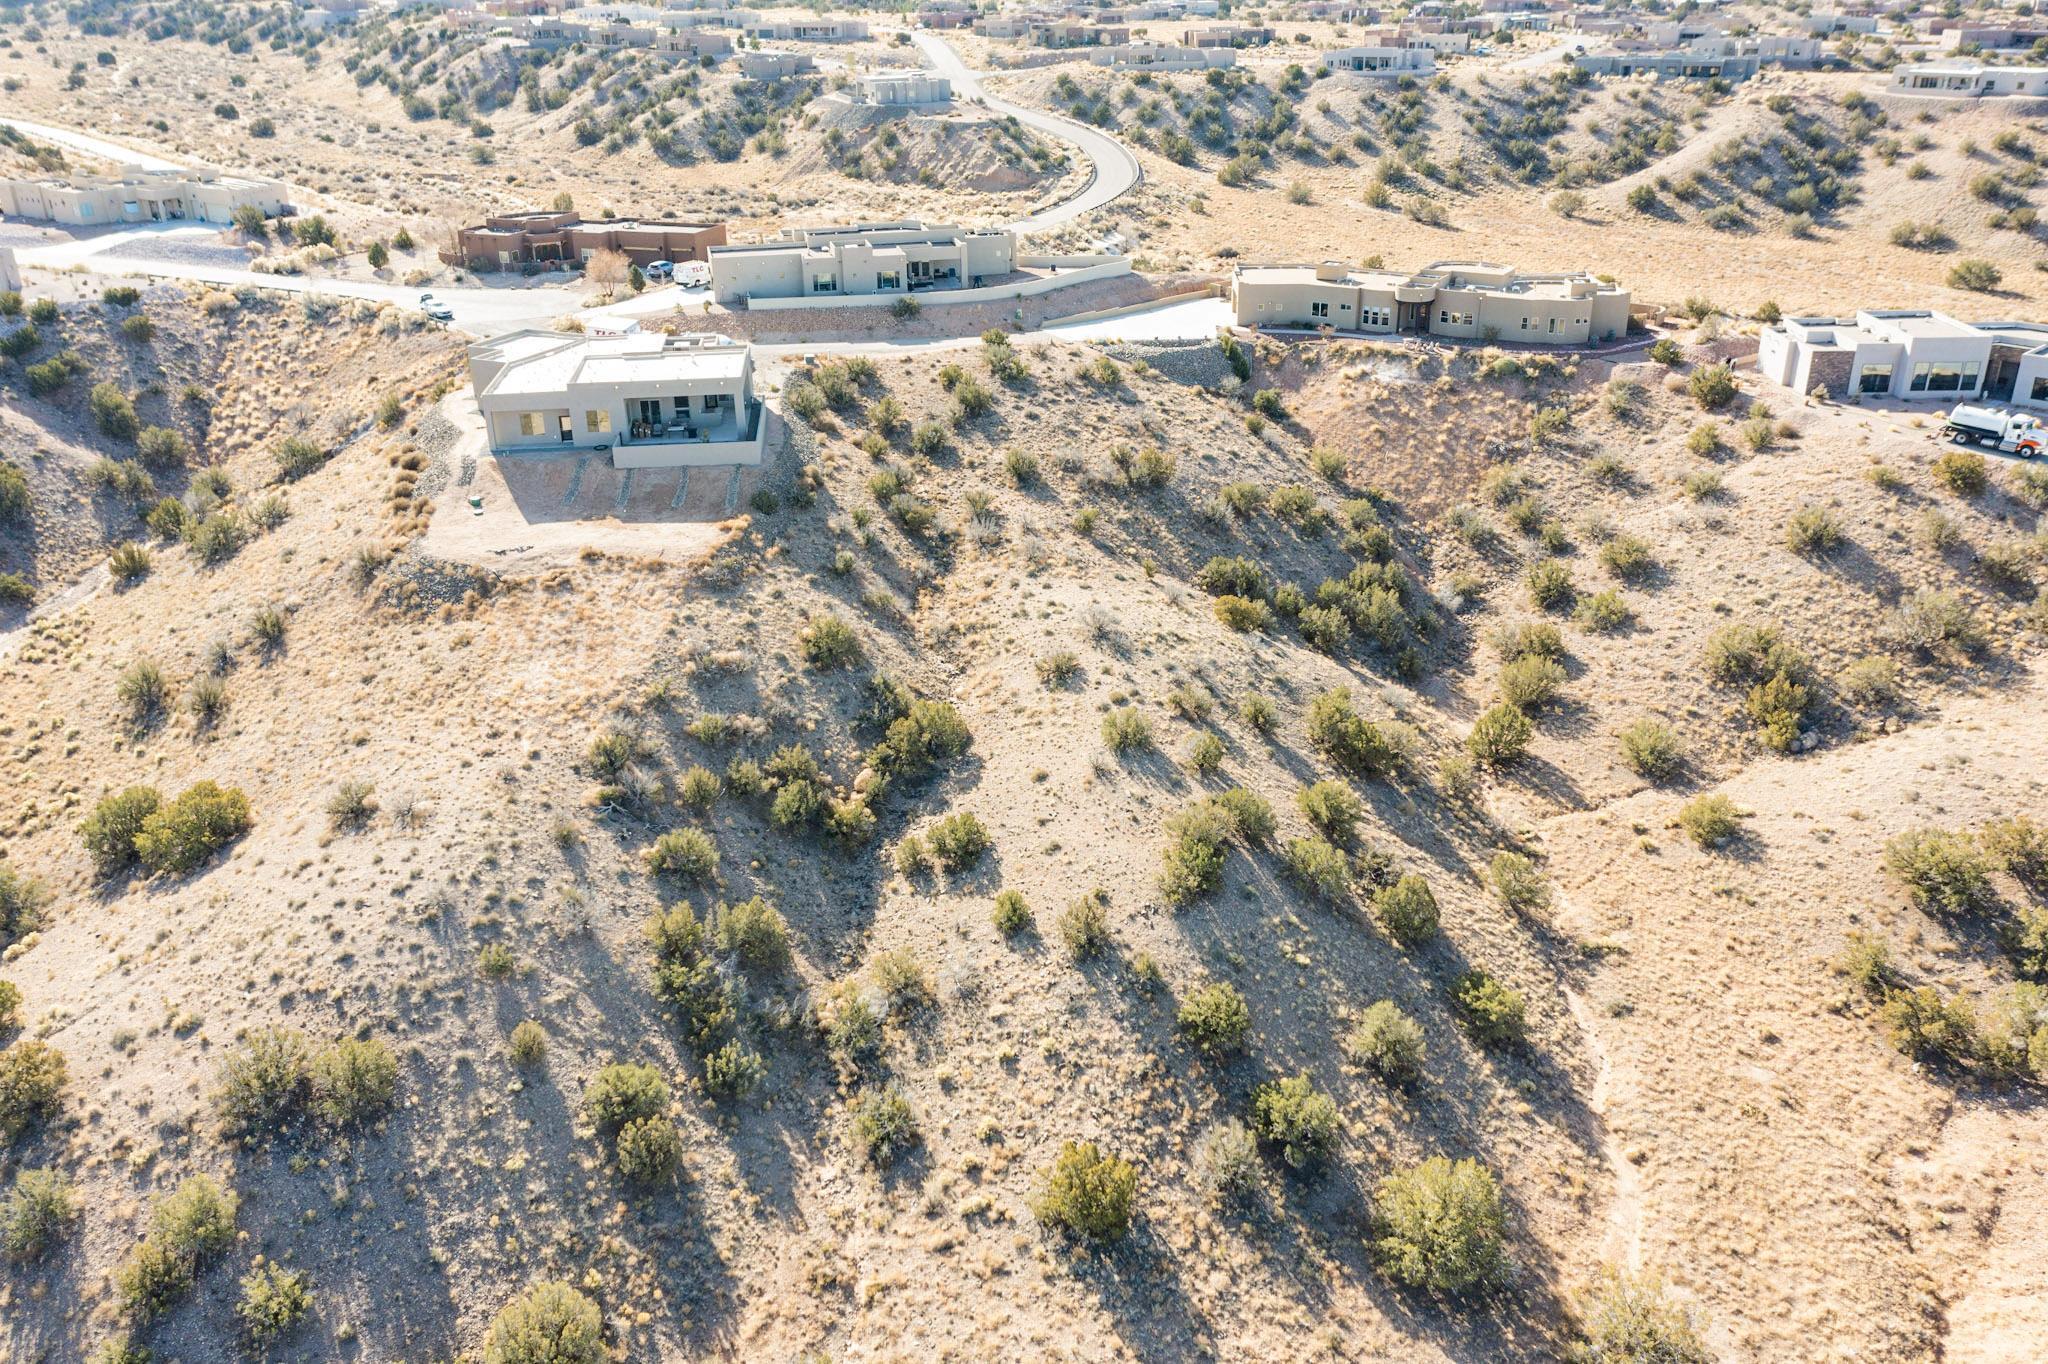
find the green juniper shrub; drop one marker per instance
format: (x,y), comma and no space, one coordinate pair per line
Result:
(109,832)
(1941,871)
(827,642)
(1530,683)
(902,979)
(10,1006)
(1710,820)
(1298,1118)
(1250,815)
(1500,736)
(1087,1193)
(687,854)
(623,1092)
(1652,749)
(1630,1319)
(190,1227)
(1319,867)
(1407,910)
(1930,1027)
(958,840)
(1259,713)
(853,1030)
(274,1301)
(1347,738)
(1491,1011)
(263,1084)
(883,1125)
(1194,856)
(1084,928)
(1215,1019)
(650,1150)
(182,834)
(1867,962)
(36,1215)
(1519,885)
(2017,845)
(1550,585)
(1333,808)
(355,1082)
(32,1077)
(1011,915)
(1126,730)
(1440,1226)
(550,1323)
(1388,1043)
(755,932)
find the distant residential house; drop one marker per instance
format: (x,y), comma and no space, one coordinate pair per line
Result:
(654,401)
(1063,33)
(510,240)
(768,64)
(862,259)
(1910,354)
(138,195)
(1225,35)
(1163,57)
(904,88)
(821,29)
(1379,60)
(1678,64)
(1450,298)
(1969,78)
(1439,43)
(1824,23)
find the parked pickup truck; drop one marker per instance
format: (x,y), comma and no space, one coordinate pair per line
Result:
(2011,432)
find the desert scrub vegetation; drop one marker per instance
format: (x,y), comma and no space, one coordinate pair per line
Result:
(1010,915)
(1292,1114)
(624,1092)
(1710,821)
(21,904)
(1813,531)
(1226,1162)
(274,1301)
(32,1077)
(1087,1193)
(1407,910)
(1631,1319)
(958,840)
(1517,883)
(649,1150)
(1500,736)
(1345,737)
(1388,1043)
(173,838)
(883,1125)
(1440,1226)
(1491,1011)
(1775,673)
(1084,927)
(37,1213)
(189,1229)
(1126,730)
(1652,749)
(274,1081)
(685,854)
(1941,871)
(527,1045)
(827,642)
(550,1323)
(1215,1019)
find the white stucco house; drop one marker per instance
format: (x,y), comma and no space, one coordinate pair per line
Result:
(1909,354)
(651,401)
(862,259)
(1970,79)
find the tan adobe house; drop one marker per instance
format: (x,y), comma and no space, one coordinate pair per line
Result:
(862,258)
(510,240)
(652,401)
(136,195)
(1468,300)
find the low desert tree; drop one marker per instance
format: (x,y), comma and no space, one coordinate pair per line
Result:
(354,1082)
(1941,871)
(650,1150)
(190,1228)
(1491,1010)
(110,831)
(21,903)
(883,1125)
(1298,1118)
(1388,1043)
(1440,1226)
(1712,387)
(180,835)
(624,1092)
(1347,738)
(550,1323)
(274,1301)
(1519,885)
(1333,808)
(1710,820)
(1407,910)
(686,854)
(36,1214)
(1631,1319)
(1215,1019)
(1500,736)
(32,1075)
(1651,749)
(263,1084)
(111,411)
(1087,1193)
(753,931)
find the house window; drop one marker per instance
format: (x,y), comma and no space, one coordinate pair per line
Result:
(1945,376)
(1318,310)
(888,279)
(532,424)
(597,420)
(1553,326)
(714,402)
(2039,393)
(1874,379)
(824,284)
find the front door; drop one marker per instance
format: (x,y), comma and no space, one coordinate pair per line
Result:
(650,412)
(568,431)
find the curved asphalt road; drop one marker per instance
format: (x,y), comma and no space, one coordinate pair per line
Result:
(1116,170)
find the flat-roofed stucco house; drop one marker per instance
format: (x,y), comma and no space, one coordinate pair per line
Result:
(824,29)
(1450,298)
(136,195)
(1379,61)
(509,240)
(655,401)
(1163,57)
(904,89)
(1909,353)
(1968,78)
(767,64)
(862,258)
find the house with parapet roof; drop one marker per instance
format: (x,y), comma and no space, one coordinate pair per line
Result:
(1909,353)
(1469,300)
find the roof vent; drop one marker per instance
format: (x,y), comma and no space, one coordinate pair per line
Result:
(1330,270)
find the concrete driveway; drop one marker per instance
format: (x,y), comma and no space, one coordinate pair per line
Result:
(90,145)
(1116,169)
